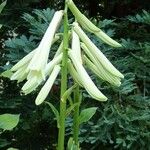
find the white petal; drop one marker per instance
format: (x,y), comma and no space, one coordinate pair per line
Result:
(53,63)
(98,69)
(30,85)
(60,49)
(20,73)
(40,58)
(76,46)
(47,86)
(102,73)
(23,61)
(74,73)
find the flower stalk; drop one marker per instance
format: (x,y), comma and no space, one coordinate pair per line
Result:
(61,134)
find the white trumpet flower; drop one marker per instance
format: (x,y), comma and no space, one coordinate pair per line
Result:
(47,86)
(40,58)
(89,26)
(86,80)
(25,60)
(96,52)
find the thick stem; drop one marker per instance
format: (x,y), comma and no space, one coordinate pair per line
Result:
(61,135)
(76,116)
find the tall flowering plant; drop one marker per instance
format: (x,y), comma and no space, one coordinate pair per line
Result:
(36,68)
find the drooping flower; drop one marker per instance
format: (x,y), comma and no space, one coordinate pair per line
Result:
(34,82)
(89,26)
(40,58)
(35,62)
(85,79)
(96,52)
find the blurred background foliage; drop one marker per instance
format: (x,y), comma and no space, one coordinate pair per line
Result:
(121,123)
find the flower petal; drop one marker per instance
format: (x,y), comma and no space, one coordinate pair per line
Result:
(30,85)
(74,73)
(23,61)
(76,46)
(98,69)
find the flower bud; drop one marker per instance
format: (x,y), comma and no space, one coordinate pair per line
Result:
(86,80)
(74,73)
(47,86)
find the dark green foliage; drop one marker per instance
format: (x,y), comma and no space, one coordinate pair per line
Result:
(121,123)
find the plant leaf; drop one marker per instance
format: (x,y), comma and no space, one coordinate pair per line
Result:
(2,6)
(8,121)
(87,114)
(55,111)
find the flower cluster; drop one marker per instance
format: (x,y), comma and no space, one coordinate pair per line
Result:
(35,67)
(92,57)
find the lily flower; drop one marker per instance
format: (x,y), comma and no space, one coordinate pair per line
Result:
(89,26)
(40,58)
(47,86)
(86,80)
(32,66)
(96,52)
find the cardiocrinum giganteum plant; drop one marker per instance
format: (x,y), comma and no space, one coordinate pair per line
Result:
(36,68)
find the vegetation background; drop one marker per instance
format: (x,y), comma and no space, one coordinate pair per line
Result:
(121,123)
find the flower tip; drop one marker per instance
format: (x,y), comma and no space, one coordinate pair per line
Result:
(37,102)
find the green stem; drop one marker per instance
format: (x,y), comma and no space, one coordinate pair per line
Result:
(76,116)
(61,135)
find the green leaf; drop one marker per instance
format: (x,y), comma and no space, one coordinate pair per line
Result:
(71,145)
(12,148)
(68,93)
(4,142)
(55,111)
(68,111)
(2,6)
(8,121)
(6,74)
(87,114)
